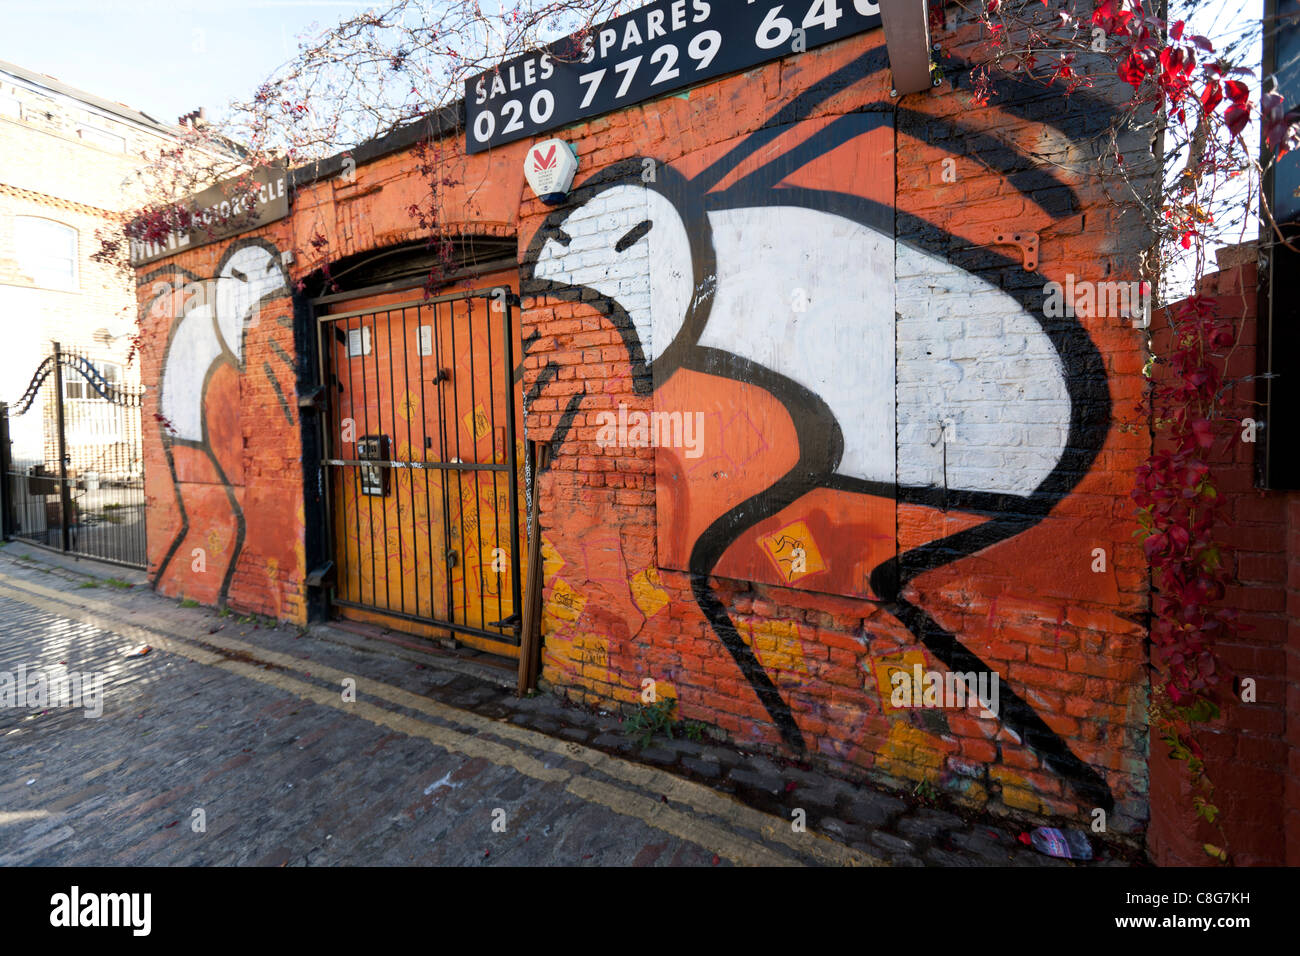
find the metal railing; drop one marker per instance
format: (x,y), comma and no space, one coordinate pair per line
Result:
(422,464)
(72,463)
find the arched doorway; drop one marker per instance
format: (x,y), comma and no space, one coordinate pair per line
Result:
(422,454)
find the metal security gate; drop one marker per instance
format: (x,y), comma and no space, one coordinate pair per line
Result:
(422,463)
(72,461)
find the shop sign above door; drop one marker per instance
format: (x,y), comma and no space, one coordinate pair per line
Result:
(644,54)
(224,210)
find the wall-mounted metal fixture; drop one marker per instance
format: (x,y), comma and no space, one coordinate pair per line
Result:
(312,398)
(1026,240)
(320,576)
(374,478)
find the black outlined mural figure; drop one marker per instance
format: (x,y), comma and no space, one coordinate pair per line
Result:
(665,262)
(207,336)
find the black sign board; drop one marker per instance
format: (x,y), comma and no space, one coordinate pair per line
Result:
(224,210)
(641,55)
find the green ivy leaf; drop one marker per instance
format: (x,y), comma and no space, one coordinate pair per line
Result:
(1203,711)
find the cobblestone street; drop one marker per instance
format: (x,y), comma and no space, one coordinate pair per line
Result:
(435,762)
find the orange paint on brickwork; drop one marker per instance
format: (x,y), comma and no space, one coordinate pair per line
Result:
(620,524)
(219,529)
(1003,602)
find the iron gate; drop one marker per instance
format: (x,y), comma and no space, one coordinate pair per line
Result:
(72,463)
(422,464)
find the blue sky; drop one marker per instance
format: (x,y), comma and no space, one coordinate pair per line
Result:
(165,57)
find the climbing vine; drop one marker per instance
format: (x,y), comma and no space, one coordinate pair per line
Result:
(1178,514)
(1203,100)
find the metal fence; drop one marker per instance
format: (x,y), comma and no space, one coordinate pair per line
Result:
(423,464)
(72,464)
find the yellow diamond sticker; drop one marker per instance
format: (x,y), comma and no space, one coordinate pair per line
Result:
(793,552)
(477,422)
(885,668)
(409,406)
(647,593)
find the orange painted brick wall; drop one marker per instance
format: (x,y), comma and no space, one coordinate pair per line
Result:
(1023,563)
(224,486)
(1065,637)
(223,467)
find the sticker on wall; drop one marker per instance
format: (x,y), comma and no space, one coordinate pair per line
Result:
(886,667)
(794,552)
(409,408)
(358,342)
(477,422)
(649,596)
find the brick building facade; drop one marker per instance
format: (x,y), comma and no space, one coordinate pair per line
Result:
(907,462)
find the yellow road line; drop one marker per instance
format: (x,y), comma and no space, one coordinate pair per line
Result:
(700,798)
(21,816)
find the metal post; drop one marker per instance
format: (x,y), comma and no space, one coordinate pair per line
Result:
(513,476)
(65,497)
(7,522)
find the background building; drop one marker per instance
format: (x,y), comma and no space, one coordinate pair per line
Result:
(68,165)
(67,160)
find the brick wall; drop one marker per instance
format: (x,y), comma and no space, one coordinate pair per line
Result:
(973,517)
(1021,592)
(1251,752)
(223,462)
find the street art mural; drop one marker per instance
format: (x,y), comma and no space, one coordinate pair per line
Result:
(770,283)
(200,393)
